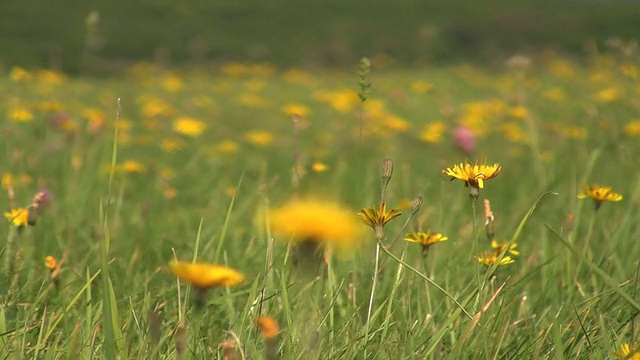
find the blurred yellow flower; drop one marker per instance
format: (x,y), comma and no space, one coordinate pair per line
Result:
(319,167)
(172,83)
(554,94)
(341,100)
(632,128)
(20,114)
(261,138)
(519,112)
(205,276)
(432,132)
(49,77)
(235,69)
(325,223)
(18,217)
(50,106)
(268,326)
(599,194)
(253,100)
(297,76)
(133,167)
(50,263)
(171,144)
(296,109)
(19,74)
(489,258)
(608,95)
(425,239)
(226,147)
(627,352)
(189,126)
(499,248)
(473,175)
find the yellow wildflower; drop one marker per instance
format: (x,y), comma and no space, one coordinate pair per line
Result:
(627,352)
(319,167)
(377,218)
(20,114)
(608,95)
(425,239)
(50,263)
(632,128)
(261,138)
(19,74)
(296,109)
(308,220)
(205,276)
(172,83)
(18,217)
(433,132)
(133,167)
(488,258)
(599,194)
(189,126)
(421,86)
(473,175)
(499,248)
(268,327)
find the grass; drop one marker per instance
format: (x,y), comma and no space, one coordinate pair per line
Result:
(195,162)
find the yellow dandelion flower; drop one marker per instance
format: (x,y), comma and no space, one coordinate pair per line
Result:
(260,138)
(599,194)
(20,114)
(519,112)
(133,167)
(319,167)
(326,223)
(6,180)
(632,128)
(499,248)
(50,263)
(490,258)
(50,77)
(554,94)
(172,83)
(378,218)
(425,239)
(296,109)
(189,126)
(297,76)
(226,147)
(18,217)
(268,326)
(432,132)
(473,176)
(235,69)
(253,100)
(19,74)
(608,95)
(205,276)
(627,352)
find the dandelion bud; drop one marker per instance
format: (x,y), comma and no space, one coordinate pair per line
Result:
(415,206)
(489,220)
(387,170)
(50,263)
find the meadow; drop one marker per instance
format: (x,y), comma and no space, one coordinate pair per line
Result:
(279,174)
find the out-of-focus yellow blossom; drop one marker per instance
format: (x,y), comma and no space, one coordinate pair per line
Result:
(629,70)
(268,327)
(519,112)
(133,167)
(18,217)
(323,222)
(260,138)
(255,85)
(189,126)
(171,144)
(96,119)
(480,116)
(395,124)
(514,133)
(235,69)
(608,95)
(632,128)
(205,276)
(123,125)
(299,77)
(20,74)
(421,86)
(342,101)
(555,94)
(20,114)
(172,83)
(49,77)
(226,147)
(562,69)
(50,262)
(6,180)
(319,167)
(433,132)
(153,107)
(296,109)
(50,106)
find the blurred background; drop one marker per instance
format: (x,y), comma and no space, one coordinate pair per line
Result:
(101,37)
